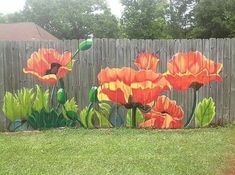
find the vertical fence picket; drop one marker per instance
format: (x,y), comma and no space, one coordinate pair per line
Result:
(2,85)
(232,73)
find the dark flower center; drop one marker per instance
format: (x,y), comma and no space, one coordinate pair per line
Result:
(196,85)
(54,69)
(165,112)
(143,108)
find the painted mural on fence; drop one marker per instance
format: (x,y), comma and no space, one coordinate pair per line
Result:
(125,97)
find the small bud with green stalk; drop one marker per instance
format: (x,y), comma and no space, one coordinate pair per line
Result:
(84,45)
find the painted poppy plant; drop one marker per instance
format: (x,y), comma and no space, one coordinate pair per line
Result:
(48,65)
(165,114)
(192,70)
(131,88)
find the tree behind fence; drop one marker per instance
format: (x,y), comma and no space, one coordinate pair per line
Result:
(119,53)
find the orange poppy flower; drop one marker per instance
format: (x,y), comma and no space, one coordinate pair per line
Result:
(127,86)
(147,61)
(165,114)
(48,65)
(192,69)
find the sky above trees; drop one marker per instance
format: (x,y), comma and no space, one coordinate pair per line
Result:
(11,6)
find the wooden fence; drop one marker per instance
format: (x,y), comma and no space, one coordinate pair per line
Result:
(118,53)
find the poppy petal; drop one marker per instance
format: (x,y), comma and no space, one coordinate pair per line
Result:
(146,61)
(62,71)
(48,79)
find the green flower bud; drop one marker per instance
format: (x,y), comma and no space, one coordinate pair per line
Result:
(93,94)
(61,96)
(85,45)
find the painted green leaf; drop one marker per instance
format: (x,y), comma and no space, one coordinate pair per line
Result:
(139,117)
(41,100)
(45,120)
(84,120)
(205,112)
(103,121)
(25,98)
(96,118)
(104,109)
(71,105)
(72,115)
(11,107)
(102,114)
(117,116)
(18,105)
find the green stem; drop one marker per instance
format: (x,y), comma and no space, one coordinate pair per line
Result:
(88,111)
(61,83)
(134,124)
(77,51)
(195,97)
(57,107)
(52,94)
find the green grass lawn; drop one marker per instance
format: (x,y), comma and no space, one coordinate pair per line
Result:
(117,151)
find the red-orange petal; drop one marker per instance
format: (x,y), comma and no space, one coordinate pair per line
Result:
(165,114)
(151,123)
(62,71)
(192,67)
(147,61)
(38,64)
(53,56)
(126,75)
(179,82)
(48,79)
(114,96)
(66,58)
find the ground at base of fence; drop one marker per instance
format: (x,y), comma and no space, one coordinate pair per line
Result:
(117,151)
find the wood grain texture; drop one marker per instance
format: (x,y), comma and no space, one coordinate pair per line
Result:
(119,53)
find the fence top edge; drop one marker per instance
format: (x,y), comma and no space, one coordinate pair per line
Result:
(128,39)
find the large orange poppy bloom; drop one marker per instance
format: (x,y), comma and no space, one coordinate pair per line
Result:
(147,61)
(192,69)
(48,65)
(127,86)
(165,114)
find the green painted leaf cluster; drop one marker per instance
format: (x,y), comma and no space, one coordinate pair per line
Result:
(46,120)
(96,118)
(41,99)
(71,105)
(205,112)
(18,105)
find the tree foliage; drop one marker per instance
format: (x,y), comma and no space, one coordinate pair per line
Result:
(214,19)
(144,19)
(147,19)
(180,17)
(70,19)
